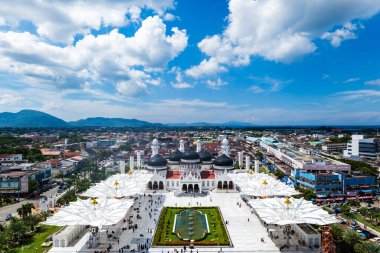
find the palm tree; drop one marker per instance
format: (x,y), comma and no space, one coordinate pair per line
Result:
(20,212)
(367,247)
(4,241)
(17,230)
(27,209)
(337,231)
(32,220)
(351,238)
(44,215)
(363,211)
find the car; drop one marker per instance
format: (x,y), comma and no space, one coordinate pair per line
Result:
(8,216)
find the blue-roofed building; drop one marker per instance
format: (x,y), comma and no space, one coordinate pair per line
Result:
(334,184)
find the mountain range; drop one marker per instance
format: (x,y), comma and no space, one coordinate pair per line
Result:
(33,118)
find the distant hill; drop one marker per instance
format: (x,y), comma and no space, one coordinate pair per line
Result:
(112,122)
(30,118)
(206,124)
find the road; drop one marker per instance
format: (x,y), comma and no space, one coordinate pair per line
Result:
(13,208)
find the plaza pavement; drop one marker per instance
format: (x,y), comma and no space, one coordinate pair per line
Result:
(245,235)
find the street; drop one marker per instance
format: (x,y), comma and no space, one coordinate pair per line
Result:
(13,208)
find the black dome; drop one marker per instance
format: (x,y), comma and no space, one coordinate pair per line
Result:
(157,161)
(205,156)
(223,160)
(175,156)
(190,155)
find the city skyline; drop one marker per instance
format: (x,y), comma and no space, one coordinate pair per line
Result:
(261,62)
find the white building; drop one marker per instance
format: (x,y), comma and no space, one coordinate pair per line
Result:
(360,147)
(301,159)
(10,157)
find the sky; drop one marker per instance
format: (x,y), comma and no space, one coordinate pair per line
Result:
(266,62)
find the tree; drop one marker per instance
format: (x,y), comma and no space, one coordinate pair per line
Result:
(279,173)
(345,208)
(32,185)
(337,231)
(4,241)
(60,176)
(353,202)
(44,215)
(351,238)
(17,230)
(259,155)
(31,221)
(363,211)
(366,247)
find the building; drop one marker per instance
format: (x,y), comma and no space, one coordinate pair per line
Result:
(105,142)
(15,180)
(330,147)
(190,171)
(10,158)
(360,147)
(302,159)
(334,183)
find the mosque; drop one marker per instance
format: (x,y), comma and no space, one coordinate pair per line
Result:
(190,171)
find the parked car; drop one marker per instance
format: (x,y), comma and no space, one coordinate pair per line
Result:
(8,216)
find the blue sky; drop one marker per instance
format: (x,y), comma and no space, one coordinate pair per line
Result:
(299,62)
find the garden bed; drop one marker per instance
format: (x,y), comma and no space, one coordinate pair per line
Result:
(165,230)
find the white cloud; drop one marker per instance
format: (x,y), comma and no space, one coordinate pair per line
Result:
(358,94)
(10,99)
(256,89)
(280,31)
(325,76)
(373,82)
(97,60)
(267,84)
(192,103)
(351,80)
(347,32)
(182,85)
(215,84)
(179,83)
(60,21)
(206,67)
(169,17)
(133,87)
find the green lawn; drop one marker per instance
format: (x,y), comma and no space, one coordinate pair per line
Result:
(164,231)
(263,169)
(359,217)
(35,244)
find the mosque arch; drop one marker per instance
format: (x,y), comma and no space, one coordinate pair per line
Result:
(184,187)
(196,188)
(155,185)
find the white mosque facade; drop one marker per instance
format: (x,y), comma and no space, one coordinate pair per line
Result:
(190,171)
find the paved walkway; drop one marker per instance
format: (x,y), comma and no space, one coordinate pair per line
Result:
(245,235)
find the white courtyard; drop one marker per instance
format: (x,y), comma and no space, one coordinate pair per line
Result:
(246,232)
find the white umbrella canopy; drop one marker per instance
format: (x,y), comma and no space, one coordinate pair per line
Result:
(283,211)
(260,184)
(93,212)
(120,185)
